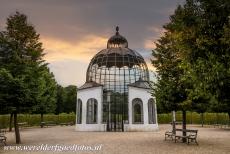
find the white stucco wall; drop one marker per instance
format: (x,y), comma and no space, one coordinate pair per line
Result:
(144,95)
(84,95)
(97,93)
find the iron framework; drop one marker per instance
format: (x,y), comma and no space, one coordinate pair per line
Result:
(115,68)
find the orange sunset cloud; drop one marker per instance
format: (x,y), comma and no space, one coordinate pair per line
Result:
(82,50)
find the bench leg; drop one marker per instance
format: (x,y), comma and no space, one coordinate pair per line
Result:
(167,136)
(192,140)
(4,142)
(196,142)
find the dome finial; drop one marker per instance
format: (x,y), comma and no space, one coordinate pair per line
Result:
(117,30)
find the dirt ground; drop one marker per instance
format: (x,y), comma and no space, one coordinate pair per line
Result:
(211,141)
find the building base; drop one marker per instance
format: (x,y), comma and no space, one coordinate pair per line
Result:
(90,127)
(127,127)
(141,127)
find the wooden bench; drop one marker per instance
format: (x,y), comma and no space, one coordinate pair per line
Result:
(23,124)
(3,137)
(216,125)
(48,123)
(176,123)
(191,135)
(169,135)
(223,125)
(67,124)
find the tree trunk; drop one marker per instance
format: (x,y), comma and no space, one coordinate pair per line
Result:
(202,119)
(174,122)
(42,120)
(191,117)
(16,129)
(11,118)
(217,118)
(184,124)
(228,118)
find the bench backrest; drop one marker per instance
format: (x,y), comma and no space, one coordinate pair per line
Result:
(190,131)
(187,130)
(2,130)
(22,123)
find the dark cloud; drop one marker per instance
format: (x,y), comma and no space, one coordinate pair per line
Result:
(72,20)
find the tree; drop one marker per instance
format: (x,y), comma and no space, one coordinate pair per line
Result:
(66,99)
(13,96)
(71,93)
(171,90)
(61,97)
(224,71)
(201,103)
(20,61)
(205,44)
(200,38)
(45,98)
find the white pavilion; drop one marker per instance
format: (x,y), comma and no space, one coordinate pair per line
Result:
(116,95)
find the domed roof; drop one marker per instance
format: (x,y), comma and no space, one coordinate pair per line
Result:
(117,53)
(118,57)
(117,41)
(117,61)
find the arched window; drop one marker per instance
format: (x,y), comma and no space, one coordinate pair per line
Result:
(137,106)
(91,111)
(79,111)
(151,111)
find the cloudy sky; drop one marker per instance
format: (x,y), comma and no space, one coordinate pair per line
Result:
(73,31)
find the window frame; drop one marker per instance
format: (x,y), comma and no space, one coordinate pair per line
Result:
(79,111)
(137,101)
(151,111)
(91,111)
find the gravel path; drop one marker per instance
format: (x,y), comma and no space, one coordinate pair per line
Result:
(211,141)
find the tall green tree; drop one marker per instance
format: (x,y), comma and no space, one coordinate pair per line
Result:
(20,64)
(70,103)
(45,99)
(61,97)
(66,99)
(204,42)
(200,38)
(171,89)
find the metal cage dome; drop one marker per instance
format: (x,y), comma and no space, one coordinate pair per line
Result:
(115,69)
(117,66)
(116,94)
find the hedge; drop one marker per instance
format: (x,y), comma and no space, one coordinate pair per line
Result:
(192,118)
